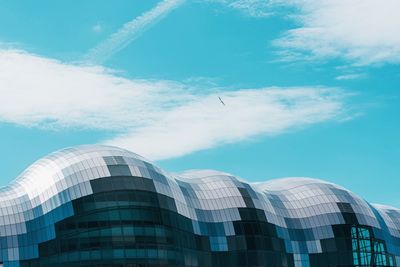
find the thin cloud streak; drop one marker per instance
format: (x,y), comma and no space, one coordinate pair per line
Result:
(159,119)
(352,76)
(130,31)
(253,8)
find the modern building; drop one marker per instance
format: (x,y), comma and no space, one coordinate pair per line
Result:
(105,206)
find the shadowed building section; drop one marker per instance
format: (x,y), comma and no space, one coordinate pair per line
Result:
(105,206)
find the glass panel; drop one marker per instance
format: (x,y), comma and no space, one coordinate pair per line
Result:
(368,251)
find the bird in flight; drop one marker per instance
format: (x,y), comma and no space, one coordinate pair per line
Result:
(221,101)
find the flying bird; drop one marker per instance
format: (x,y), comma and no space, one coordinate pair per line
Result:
(221,101)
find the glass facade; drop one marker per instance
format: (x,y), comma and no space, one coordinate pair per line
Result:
(105,206)
(368,251)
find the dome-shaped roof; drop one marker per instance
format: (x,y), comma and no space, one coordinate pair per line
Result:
(52,169)
(203,196)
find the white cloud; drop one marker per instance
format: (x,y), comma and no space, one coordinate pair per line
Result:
(206,123)
(158,119)
(130,31)
(254,8)
(361,31)
(38,91)
(352,76)
(97,28)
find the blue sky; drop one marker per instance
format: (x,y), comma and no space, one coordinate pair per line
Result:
(311,89)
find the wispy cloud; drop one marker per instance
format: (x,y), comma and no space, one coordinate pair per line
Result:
(351,76)
(156,118)
(206,123)
(254,8)
(364,32)
(130,31)
(97,28)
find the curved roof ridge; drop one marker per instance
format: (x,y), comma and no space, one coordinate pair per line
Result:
(53,164)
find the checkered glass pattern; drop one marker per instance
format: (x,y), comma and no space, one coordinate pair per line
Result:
(105,206)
